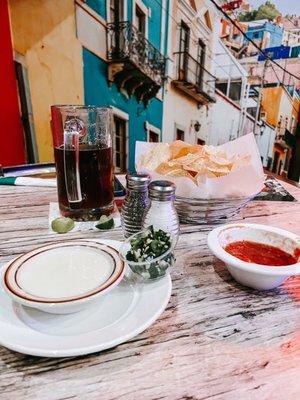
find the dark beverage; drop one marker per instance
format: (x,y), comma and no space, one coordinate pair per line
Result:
(96,181)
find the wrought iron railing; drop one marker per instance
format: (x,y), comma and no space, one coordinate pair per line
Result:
(285,135)
(193,72)
(126,42)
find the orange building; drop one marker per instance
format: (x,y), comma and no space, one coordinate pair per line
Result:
(281,109)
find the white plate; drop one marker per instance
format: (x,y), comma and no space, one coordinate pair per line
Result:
(62,278)
(118,316)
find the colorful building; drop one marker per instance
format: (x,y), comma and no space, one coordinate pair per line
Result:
(12,149)
(281,110)
(233,38)
(190,86)
(47,57)
(125,67)
(104,53)
(291,30)
(264,33)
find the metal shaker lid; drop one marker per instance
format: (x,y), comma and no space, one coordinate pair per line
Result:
(137,181)
(162,190)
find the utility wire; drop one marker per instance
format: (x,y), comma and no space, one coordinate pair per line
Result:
(220,66)
(240,30)
(251,41)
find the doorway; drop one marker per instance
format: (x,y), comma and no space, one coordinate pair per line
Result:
(120,144)
(184,44)
(200,63)
(26,112)
(275,163)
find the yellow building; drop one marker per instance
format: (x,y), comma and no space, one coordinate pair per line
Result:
(49,56)
(281,110)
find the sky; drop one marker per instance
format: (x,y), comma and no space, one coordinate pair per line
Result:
(284,6)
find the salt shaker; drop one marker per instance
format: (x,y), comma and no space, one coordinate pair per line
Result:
(135,203)
(162,213)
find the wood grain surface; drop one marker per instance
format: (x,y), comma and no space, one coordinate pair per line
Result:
(216,339)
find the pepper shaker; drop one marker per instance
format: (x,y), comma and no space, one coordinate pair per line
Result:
(135,204)
(161,212)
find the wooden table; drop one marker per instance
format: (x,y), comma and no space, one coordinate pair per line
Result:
(216,339)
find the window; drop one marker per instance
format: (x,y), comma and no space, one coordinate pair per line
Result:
(201,61)
(235,90)
(179,134)
(251,111)
(116,10)
(207,20)
(201,142)
(184,37)
(184,43)
(120,144)
(140,18)
(153,133)
(292,124)
(222,86)
(153,136)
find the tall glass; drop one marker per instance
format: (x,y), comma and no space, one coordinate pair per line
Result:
(83,158)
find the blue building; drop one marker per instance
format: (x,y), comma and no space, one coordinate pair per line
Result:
(276,53)
(129,75)
(265,33)
(280,52)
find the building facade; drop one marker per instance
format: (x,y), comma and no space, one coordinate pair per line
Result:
(48,63)
(125,67)
(264,33)
(291,30)
(281,110)
(190,86)
(94,52)
(13,148)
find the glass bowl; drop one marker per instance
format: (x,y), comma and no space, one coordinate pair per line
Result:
(153,269)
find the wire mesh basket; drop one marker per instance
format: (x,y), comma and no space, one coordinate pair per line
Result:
(208,211)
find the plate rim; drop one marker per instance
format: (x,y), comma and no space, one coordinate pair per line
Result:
(73,352)
(23,295)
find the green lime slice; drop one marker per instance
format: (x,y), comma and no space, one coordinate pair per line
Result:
(62,225)
(105,223)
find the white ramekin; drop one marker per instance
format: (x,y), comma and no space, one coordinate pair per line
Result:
(256,276)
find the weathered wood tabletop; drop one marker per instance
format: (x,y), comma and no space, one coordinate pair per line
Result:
(216,339)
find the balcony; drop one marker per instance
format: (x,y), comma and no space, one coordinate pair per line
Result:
(286,139)
(193,79)
(135,65)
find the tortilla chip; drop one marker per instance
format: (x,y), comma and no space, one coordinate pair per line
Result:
(180,149)
(174,170)
(192,161)
(153,158)
(185,160)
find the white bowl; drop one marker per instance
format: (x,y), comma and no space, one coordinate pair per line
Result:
(65,277)
(257,276)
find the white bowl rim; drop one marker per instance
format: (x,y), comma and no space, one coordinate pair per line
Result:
(219,252)
(35,301)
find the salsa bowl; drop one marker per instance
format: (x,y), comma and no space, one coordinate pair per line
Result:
(254,275)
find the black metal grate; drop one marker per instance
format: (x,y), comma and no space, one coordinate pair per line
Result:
(126,43)
(190,71)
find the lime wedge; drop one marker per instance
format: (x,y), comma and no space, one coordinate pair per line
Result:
(105,223)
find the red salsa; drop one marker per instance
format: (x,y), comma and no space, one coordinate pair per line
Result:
(259,253)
